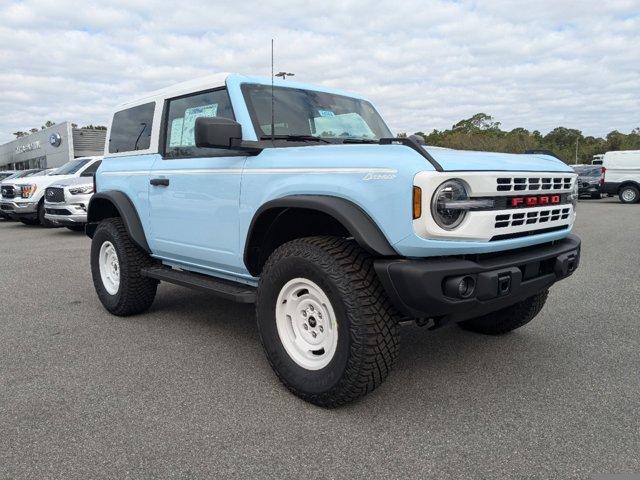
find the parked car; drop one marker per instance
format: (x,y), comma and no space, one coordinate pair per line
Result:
(8,180)
(589,177)
(65,202)
(23,198)
(621,175)
(333,227)
(6,173)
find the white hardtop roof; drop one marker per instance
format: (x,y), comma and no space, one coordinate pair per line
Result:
(201,83)
(220,80)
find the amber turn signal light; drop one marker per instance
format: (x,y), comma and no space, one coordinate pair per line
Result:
(417,202)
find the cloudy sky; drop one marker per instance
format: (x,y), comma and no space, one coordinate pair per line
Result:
(425,64)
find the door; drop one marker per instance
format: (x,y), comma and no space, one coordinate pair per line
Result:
(194,192)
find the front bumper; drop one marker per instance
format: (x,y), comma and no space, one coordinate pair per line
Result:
(591,189)
(65,214)
(421,288)
(13,209)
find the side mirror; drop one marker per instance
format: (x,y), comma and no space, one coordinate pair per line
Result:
(217,132)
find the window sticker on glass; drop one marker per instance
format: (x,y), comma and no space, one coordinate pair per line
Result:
(326,113)
(189,123)
(175,139)
(350,125)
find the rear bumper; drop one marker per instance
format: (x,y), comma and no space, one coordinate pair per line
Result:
(589,190)
(422,288)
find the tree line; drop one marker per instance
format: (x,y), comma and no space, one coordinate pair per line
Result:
(49,123)
(482,132)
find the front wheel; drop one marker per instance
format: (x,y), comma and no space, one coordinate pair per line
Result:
(326,325)
(629,194)
(507,319)
(116,264)
(42,219)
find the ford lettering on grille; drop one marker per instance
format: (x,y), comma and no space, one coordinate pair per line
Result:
(535,201)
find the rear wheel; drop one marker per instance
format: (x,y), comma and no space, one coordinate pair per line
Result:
(509,318)
(326,325)
(629,194)
(116,264)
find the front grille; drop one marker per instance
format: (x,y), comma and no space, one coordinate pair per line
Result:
(6,207)
(57,211)
(8,192)
(532,184)
(54,195)
(530,218)
(528,233)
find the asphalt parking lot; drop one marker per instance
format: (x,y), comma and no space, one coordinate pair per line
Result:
(185,392)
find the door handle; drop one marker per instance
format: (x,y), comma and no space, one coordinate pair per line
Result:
(159,182)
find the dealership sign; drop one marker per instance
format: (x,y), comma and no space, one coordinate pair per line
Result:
(27,147)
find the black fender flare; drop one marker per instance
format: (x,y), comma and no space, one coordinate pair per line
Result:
(101,206)
(354,219)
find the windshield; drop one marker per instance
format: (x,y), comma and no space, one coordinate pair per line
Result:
(5,175)
(588,171)
(308,113)
(72,167)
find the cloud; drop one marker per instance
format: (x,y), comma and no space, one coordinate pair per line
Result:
(425,64)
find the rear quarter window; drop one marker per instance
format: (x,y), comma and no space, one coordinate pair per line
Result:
(131,129)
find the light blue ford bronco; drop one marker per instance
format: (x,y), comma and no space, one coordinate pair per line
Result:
(299,199)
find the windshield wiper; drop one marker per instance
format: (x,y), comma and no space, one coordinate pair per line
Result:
(359,140)
(295,138)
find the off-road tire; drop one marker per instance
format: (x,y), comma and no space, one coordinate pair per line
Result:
(507,319)
(368,332)
(135,293)
(636,192)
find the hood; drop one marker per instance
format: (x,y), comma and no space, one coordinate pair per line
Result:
(465,160)
(74,181)
(41,180)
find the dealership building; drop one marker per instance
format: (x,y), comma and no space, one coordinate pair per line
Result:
(51,147)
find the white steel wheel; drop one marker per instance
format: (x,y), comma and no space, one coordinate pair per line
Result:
(109,268)
(306,324)
(629,195)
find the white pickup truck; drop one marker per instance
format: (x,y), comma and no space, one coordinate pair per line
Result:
(23,199)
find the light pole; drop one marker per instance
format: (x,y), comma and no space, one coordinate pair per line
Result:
(284,75)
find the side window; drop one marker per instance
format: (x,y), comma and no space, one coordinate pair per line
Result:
(131,129)
(91,169)
(181,120)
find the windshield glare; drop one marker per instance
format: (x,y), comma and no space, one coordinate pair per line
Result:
(71,167)
(310,113)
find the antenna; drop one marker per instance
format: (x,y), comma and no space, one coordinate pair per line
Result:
(273,117)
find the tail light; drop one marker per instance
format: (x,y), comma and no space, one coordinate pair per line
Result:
(603,171)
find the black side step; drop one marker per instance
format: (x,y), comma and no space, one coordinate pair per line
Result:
(222,288)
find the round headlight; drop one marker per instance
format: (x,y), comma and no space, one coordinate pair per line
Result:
(443,208)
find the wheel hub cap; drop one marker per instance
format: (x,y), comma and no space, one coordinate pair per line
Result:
(306,324)
(109,268)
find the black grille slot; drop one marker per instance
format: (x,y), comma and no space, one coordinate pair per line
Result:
(54,195)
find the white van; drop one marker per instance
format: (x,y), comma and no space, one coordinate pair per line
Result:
(621,175)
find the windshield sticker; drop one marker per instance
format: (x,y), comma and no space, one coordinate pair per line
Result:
(189,123)
(326,113)
(349,125)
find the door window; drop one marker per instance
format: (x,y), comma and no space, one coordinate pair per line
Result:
(181,119)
